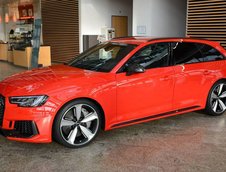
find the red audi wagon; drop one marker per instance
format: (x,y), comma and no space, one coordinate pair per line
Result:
(114,84)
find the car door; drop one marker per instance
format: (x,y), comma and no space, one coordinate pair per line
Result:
(149,93)
(190,75)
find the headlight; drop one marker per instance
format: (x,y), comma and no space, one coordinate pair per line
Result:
(29,101)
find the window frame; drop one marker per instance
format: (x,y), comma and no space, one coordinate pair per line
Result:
(170,60)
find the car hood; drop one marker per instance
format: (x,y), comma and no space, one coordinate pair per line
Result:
(53,77)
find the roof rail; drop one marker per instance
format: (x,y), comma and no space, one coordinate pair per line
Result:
(124,37)
(155,39)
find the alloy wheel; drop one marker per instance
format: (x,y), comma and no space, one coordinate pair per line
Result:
(79,124)
(218,98)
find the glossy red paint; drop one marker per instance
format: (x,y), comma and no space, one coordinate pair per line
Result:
(124,99)
(145,93)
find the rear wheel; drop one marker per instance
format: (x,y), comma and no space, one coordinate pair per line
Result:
(216,103)
(77,124)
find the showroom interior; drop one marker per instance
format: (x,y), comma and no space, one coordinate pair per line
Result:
(55,32)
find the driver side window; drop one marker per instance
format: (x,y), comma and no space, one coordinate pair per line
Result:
(152,56)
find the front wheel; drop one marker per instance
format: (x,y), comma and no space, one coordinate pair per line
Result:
(77,124)
(216,103)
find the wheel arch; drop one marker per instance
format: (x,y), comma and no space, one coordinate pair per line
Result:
(222,79)
(91,100)
(219,80)
(207,109)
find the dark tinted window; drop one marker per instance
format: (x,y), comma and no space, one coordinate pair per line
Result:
(210,54)
(186,53)
(152,56)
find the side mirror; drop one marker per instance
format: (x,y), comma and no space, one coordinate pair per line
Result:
(134,68)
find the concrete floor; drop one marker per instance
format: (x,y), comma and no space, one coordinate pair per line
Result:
(189,142)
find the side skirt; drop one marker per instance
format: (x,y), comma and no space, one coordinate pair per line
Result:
(154,116)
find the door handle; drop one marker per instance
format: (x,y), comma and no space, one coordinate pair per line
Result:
(165,78)
(206,72)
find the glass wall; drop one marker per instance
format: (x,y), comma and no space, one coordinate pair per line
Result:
(17,22)
(21,35)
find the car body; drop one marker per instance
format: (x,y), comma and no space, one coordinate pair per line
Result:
(152,79)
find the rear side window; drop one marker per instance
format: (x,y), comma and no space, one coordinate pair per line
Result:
(188,53)
(210,54)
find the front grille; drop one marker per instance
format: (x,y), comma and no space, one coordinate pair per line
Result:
(25,128)
(2,109)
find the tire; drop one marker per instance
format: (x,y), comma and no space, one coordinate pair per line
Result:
(216,102)
(77,123)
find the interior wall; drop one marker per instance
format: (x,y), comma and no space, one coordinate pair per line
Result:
(159,18)
(95,14)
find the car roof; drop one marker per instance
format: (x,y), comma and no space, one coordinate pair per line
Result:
(137,40)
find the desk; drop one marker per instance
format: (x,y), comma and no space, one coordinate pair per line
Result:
(4,52)
(10,56)
(23,58)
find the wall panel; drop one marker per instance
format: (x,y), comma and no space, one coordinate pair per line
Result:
(61,28)
(207,19)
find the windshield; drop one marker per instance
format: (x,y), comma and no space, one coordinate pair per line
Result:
(102,57)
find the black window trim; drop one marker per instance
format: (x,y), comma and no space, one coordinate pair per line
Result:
(171,59)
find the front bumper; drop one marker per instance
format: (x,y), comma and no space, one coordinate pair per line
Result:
(27,124)
(22,129)
(29,131)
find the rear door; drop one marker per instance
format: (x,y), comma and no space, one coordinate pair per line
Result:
(195,72)
(189,75)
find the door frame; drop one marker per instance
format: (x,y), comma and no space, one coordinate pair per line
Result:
(121,16)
